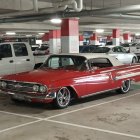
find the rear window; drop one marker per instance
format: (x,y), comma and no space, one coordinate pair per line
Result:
(100,62)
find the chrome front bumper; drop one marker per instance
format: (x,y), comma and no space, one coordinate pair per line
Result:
(27,97)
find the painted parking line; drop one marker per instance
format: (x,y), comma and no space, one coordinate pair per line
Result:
(96,129)
(18,126)
(49,118)
(92,106)
(21,115)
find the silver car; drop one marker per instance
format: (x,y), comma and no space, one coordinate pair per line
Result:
(119,52)
(133,48)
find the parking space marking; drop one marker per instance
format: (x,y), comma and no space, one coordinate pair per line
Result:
(96,129)
(65,113)
(84,108)
(21,115)
(18,126)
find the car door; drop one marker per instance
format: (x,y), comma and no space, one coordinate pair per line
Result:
(119,54)
(23,61)
(7,64)
(100,78)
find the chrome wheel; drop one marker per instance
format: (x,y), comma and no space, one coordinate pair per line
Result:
(63,98)
(125,86)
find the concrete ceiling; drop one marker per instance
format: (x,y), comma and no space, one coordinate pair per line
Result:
(88,23)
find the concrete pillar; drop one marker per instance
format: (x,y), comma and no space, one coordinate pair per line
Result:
(116,37)
(127,37)
(81,40)
(70,35)
(55,41)
(94,39)
(45,38)
(109,38)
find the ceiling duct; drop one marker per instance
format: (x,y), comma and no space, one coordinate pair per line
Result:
(57,7)
(76,5)
(98,12)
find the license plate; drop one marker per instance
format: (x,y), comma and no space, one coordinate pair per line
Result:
(19,97)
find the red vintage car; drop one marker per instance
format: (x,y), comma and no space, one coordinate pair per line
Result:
(66,76)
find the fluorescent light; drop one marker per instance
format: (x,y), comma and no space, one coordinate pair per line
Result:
(10,33)
(137,34)
(99,30)
(41,33)
(28,35)
(56,20)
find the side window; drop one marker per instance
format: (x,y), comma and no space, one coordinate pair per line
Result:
(67,61)
(5,50)
(123,50)
(53,62)
(56,62)
(100,62)
(20,49)
(116,49)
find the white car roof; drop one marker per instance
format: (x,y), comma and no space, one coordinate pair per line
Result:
(113,60)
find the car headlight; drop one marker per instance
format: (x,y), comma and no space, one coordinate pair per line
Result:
(3,84)
(43,89)
(36,88)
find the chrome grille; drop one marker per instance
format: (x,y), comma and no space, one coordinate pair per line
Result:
(19,86)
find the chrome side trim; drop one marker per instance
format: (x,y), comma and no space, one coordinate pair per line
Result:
(127,75)
(98,92)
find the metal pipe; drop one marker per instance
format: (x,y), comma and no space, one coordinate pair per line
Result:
(35,5)
(76,6)
(123,16)
(98,12)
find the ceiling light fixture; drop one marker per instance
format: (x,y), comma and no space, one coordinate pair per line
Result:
(137,34)
(10,33)
(28,35)
(41,33)
(56,20)
(99,30)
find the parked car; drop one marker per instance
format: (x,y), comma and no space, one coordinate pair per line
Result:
(42,50)
(133,48)
(64,77)
(87,48)
(109,44)
(118,52)
(34,47)
(16,57)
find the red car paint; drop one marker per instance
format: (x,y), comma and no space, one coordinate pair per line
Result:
(84,82)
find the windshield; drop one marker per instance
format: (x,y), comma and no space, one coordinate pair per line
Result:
(109,43)
(67,62)
(101,50)
(87,49)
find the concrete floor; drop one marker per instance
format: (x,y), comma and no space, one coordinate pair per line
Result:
(108,116)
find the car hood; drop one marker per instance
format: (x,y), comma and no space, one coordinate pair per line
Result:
(43,76)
